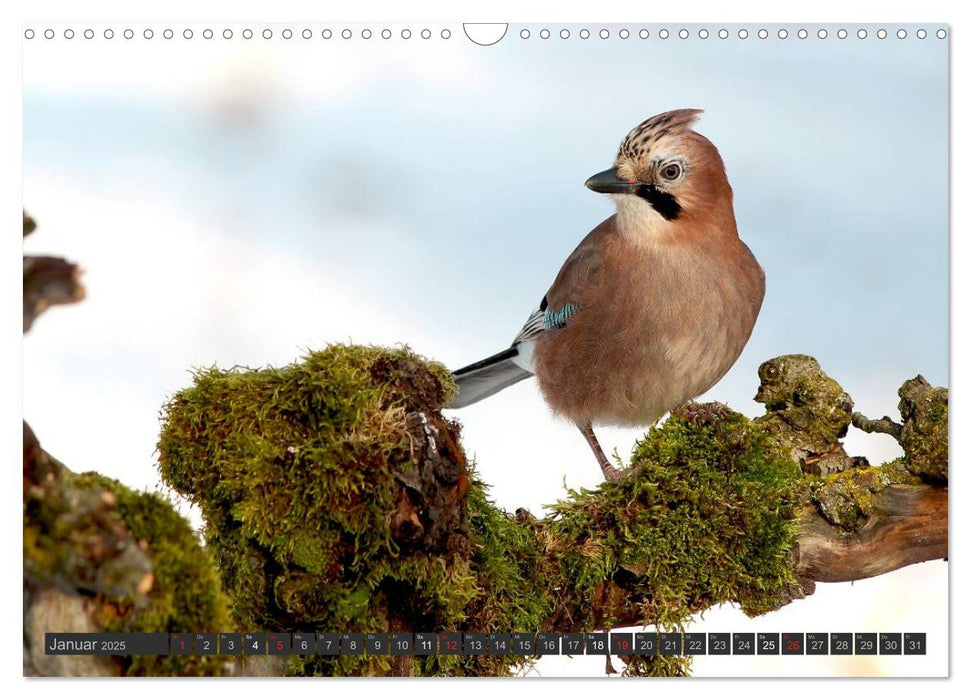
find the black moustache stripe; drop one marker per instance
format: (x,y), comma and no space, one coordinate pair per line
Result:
(664,203)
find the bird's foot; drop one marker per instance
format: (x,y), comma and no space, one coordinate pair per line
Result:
(612,473)
(702,413)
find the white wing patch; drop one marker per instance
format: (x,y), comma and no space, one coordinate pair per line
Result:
(525,357)
(535,324)
(538,322)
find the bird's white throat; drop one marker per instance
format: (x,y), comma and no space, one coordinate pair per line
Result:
(637,218)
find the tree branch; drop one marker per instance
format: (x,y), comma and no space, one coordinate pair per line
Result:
(879,425)
(715,507)
(47,281)
(908,525)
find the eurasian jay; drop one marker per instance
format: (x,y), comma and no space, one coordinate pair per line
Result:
(655,304)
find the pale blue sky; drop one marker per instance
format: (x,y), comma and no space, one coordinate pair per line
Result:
(465,208)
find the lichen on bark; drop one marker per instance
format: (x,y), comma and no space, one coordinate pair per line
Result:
(846,500)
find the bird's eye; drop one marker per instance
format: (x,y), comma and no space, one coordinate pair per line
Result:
(671,171)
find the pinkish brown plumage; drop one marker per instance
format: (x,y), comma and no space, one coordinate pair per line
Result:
(655,304)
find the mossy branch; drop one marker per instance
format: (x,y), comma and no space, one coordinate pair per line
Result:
(877,425)
(868,521)
(907,525)
(100,557)
(337,496)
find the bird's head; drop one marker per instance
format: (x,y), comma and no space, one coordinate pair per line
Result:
(665,172)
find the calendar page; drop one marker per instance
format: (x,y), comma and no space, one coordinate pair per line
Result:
(442,349)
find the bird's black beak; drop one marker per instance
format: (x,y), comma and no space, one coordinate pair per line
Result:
(609,183)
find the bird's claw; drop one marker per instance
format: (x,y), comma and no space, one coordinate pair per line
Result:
(699,413)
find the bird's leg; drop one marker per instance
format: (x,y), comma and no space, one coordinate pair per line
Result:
(611,473)
(610,667)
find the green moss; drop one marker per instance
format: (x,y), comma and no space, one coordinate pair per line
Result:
(185,595)
(337,498)
(508,563)
(708,518)
(510,569)
(75,539)
(658,666)
(327,498)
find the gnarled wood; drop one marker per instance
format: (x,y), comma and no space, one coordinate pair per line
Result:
(908,526)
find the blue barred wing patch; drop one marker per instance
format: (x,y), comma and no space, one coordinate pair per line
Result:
(545,320)
(558,319)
